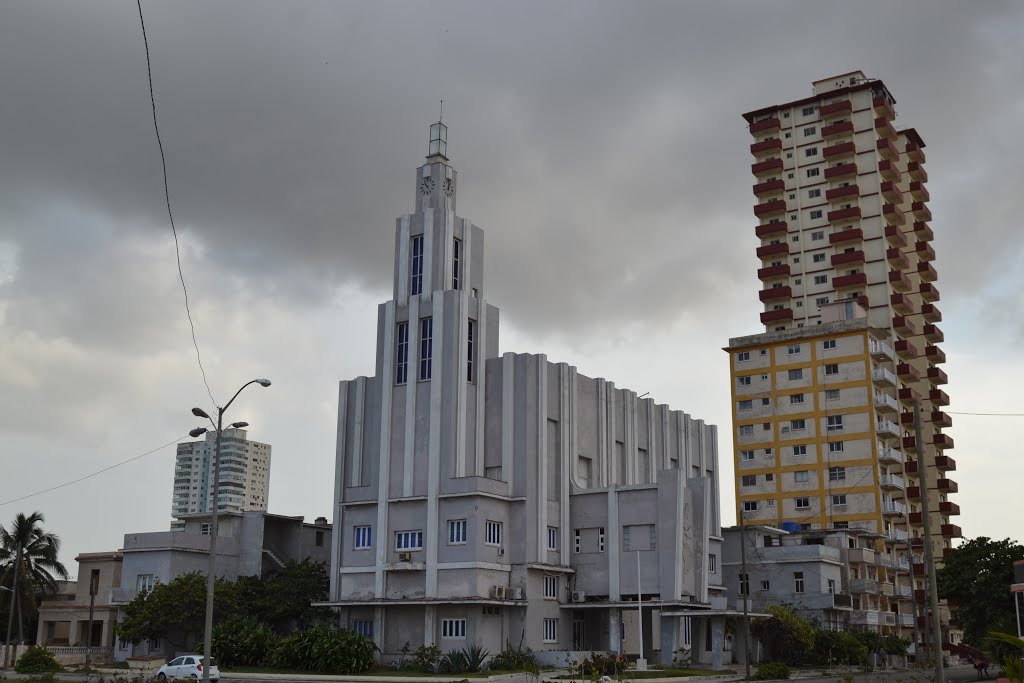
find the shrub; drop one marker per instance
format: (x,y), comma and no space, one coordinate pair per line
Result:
(475,658)
(426,658)
(325,649)
(597,665)
(453,662)
(838,647)
(36,660)
(772,672)
(514,659)
(243,641)
(785,636)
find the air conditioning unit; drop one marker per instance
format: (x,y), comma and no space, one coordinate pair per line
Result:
(404,557)
(785,430)
(579,596)
(501,552)
(517,593)
(498,592)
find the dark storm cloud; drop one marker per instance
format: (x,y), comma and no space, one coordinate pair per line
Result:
(600,144)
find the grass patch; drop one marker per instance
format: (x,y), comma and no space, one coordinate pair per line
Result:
(631,674)
(383,672)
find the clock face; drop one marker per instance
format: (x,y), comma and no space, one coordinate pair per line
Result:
(427,186)
(449,188)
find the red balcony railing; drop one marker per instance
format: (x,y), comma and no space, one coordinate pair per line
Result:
(913,492)
(905,349)
(917,172)
(904,326)
(770,250)
(883,108)
(843,149)
(900,303)
(765,124)
(948,507)
(916,518)
(769,186)
(776,316)
(929,292)
(906,371)
(769,208)
(854,280)
(940,420)
(896,258)
(930,313)
(951,531)
(923,232)
(893,215)
(769,145)
(775,293)
(891,193)
(895,236)
(886,149)
(848,257)
(832,109)
(934,354)
(926,272)
(899,281)
(769,272)
(844,236)
(766,167)
(933,334)
(921,211)
(924,251)
(919,191)
(914,152)
(772,228)
(908,446)
(836,129)
(938,397)
(943,441)
(937,376)
(843,214)
(887,167)
(884,128)
(840,171)
(907,417)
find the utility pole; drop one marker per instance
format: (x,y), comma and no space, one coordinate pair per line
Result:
(743,596)
(641,663)
(94,580)
(929,555)
(10,614)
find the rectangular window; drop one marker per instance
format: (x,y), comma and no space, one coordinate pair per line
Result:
(765,585)
(600,540)
(576,541)
(821,301)
(551,587)
(364,627)
(362,537)
(798,582)
(742,356)
(834,422)
(744,584)
(814,193)
(796,398)
(831,394)
(205,528)
(456,263)
(813,172)
(456,531)
(750,506)
(551,630)
(552,538)
(426,347)
(820,279)
(801,476)
(839,499)
(808,111)
(746,455)
(743,381)
(453,628)
(746,430)
(817,235)
(796,374)
(745,405)
(470,343)
(811,130)
(492,534)
(797,425)
(793,349)
(712,563)
(811,152)
(832,369)
(831,586)
(748,480)
(817,213)
(803,503)
(835,447)
(402,353)
(769,477)
(828,344)
(409,540)
(416,266)
(818,258)
(837,474)
(144,582)
(765,401)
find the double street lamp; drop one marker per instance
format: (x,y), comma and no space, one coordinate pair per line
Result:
(211,576)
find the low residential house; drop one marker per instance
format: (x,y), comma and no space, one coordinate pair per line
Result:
(251,543)
(64,625)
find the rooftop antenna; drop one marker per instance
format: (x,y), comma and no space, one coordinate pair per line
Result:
(441,118)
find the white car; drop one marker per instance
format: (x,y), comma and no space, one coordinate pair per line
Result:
(187,666)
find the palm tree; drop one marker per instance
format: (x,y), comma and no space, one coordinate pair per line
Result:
(28,564)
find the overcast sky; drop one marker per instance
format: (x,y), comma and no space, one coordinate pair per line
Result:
(599,145)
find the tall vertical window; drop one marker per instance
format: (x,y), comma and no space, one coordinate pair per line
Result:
(416,266)
(551,630)
(456,531)
(470,343)
(402,353)
(798,582)
(552,538)
(456,263)
(426,346)
(744,584)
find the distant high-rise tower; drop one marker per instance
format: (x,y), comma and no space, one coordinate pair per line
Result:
(823,401)
(244,475)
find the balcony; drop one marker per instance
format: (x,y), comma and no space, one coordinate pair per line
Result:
(917,172)
(913,493)
(907,372)
(883,107)
(929,292)
(891,482)
(776,316)
(886,149)
(866,555)
(887,428)
(846,236)
(938,397)
(762,168)
(775,293)
(937,375)
(923,232)
(891,508)
(900,303)
(888,455)
(869,586)
(770,250)
(848,257)
(949,508)
(884,128)
(893,215)
(896,258)
(914,152)
(939,420)
(843,214)
(894,534)
(882,377)
(935,355)
(840,171)
(908,397)
(910,466)
(926,272)
(840,151)
(769,272)
(921,211)
(904,326)
(837,129)
(905,593)
(852,280)
(765,124)
(916,518)
(905,349)
(769,145)
(919,191)
(886,403)
(891,193)
(943,441)
(951,531)
(844,192)
(769,186)
(924,251)
(887,167)
(771,229)
(881,350)
(907,418)
(770,208)
(933,334)
(944,463)
(895,236)
(834,109)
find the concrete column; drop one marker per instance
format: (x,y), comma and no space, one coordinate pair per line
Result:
(717,641)
(429,614)
(379,615)
(669,638)
(107,635)
(615,630)
(75,633)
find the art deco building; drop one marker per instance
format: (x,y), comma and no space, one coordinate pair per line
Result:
(824,399)
(484,499)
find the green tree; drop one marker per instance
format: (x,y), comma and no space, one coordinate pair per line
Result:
(786,637)
(29,567)
(976,579)
(175,610)
(284,600)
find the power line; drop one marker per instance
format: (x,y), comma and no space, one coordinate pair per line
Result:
(950,412)
(97,472)
(167,199)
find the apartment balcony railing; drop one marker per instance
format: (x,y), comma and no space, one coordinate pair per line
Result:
(887,168)
(947,485)
(849,235)
(775,293)
(938,397)
(891,482)
(907,396)
(883,377)
(937,375)
(888,455)
(769,145)
(769,186)
(892,508)
(919,191)
(843,192)
(885,427)
(770,208)
(769,272)
(907,372)
(893,215)
(886,403)
(921,211)
(944,463)
(884,128)
(886,149)
(881,350)
(894,236)
(840,171)
(951,531)
(847,214)
(843,149)
(861,555)
(847,258)
(899,281)
(765,124)
(900,303)
(896,258)
(904,325)
(883,107)
(923,232)
(834,109)
(891,193)
(930,313)
(939,419)
(894,534)
(761,168)
(852,280)
(776,316)
(917,172)
(771,229)
(947,507)
(914,152)
(770,250)
(933,334)
(869,586)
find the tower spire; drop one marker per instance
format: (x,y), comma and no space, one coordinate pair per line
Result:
(438,138)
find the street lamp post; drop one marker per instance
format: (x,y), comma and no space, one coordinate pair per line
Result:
(10,615)
(211,576)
